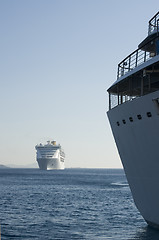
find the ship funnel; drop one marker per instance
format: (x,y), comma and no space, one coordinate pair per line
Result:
(53,142)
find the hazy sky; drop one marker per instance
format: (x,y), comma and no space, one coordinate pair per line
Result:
(57,59)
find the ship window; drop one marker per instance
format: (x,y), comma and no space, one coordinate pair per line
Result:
(149,114)
(156,104)
(118,123)
(131,119)
(139,117)
(124,121)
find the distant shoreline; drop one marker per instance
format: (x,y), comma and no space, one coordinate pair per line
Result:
(3,166)
(73,168)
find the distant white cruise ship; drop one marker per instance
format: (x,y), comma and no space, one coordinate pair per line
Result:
(50,156)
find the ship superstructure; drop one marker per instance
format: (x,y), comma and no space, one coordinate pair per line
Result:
(134,119)
(50,156)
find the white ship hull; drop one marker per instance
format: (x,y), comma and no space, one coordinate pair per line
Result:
(134,118)
(50,164)
(50,156)
(138,145)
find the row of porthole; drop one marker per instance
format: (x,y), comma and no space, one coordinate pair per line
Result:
(131,119)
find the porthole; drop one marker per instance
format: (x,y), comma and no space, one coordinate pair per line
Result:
(139,116)
(131,119)
(118,124)
(149,114)
(124,121)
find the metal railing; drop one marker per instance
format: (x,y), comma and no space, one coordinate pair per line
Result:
(139,56)
(132,61)
(153,24)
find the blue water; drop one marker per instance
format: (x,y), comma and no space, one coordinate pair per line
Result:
(71,204)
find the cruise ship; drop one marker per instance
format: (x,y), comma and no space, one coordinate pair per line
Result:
(134,118)
(50,156)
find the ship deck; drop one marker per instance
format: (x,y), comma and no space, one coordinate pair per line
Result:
(138,73)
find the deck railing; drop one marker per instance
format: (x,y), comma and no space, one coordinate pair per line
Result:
(139,56)
(153,24)
(132,61)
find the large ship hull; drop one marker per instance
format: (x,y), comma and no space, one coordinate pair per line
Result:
(50,156)
(135,126)
(50,163)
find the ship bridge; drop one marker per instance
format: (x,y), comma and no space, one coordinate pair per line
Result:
(137,74)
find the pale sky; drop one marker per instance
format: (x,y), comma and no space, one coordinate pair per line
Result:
(57,59)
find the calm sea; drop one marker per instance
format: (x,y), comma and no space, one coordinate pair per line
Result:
(88,204)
